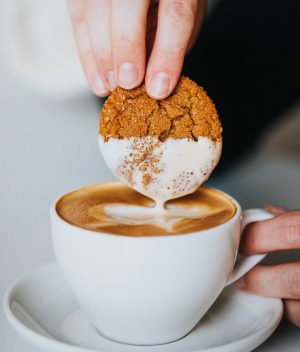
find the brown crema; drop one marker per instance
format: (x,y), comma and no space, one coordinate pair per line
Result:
(187,113)
(86,208)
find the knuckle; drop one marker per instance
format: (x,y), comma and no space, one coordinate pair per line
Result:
(103,57)
(86,58)
(291,282)
(289,229)
(170,56)
(181,11)
(92,3)
(126,43)
(80,26)
(93,8)
(79,19)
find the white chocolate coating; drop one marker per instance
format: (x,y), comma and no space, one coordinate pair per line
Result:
(161,170)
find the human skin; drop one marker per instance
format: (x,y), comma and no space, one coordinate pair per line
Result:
(282,280)
(123,42)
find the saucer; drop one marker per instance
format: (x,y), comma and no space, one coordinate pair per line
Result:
(41,308)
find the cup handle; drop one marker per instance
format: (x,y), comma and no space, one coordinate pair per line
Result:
(245,264)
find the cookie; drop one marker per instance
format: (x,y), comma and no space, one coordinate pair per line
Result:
(166,148)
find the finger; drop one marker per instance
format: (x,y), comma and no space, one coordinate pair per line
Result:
(279,233)
(282,281)
(98,20)
(292,310)
(128,27)
(81,33)
(176,20)
(275,210)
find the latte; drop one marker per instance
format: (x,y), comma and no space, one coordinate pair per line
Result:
(117,209)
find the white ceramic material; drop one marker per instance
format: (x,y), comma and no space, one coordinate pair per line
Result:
(148,290)
(41,308)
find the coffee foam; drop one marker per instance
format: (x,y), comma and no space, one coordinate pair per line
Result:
(137,215)
(161,170)
(117,209)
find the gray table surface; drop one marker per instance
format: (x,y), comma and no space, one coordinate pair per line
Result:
(48,147)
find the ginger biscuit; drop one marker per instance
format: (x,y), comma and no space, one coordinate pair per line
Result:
(187,113)
(166,148)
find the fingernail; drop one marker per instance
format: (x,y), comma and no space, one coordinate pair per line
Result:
(127,75)
(99,86)
(111,80)
(240,283)
(159,87)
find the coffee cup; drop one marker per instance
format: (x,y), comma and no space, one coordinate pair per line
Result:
(154,289)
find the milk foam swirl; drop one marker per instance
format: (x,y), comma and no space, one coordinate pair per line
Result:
(117,209)
(134,215)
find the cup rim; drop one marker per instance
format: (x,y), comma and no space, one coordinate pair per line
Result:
(55,216)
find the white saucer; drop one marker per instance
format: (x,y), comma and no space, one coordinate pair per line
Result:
(41,308)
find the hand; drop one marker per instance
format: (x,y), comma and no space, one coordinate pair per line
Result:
(283,281)
(115,39)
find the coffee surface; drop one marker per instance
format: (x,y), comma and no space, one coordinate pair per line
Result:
(117,209)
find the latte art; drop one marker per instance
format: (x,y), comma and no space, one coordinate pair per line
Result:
(137,215)
(115,208)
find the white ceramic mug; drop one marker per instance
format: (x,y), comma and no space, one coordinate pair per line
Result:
(150,290)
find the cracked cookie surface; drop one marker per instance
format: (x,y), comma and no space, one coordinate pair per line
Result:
(187,113)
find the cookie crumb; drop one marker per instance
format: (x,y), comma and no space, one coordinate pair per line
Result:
(146,180)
